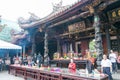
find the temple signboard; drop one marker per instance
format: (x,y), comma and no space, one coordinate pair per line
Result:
(114,15)
(76,26)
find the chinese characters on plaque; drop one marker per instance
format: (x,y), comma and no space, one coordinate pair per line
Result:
(76,26)
(114,15)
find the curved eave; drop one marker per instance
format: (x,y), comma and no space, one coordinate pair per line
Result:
(52,17)
(46,19)
(25,26)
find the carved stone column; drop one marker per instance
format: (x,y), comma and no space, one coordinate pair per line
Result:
(98,40)
(46,57)
(108,38)
(33,44)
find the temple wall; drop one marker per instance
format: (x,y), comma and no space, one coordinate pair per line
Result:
(84,46)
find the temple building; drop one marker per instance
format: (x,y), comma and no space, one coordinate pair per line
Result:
(71,28)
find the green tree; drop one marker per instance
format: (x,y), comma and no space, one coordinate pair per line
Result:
(5,33)
(92,45)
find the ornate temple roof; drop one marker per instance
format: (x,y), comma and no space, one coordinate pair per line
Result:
(10,31)
(59,10)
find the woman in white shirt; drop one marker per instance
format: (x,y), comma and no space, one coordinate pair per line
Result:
(106,67)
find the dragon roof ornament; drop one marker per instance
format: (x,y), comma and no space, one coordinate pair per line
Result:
(57,6)
(58,9)
(31,19)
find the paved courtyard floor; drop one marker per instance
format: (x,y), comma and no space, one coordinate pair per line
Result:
(5,76)
(116,76)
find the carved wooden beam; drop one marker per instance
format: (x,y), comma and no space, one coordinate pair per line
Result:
(83,37)
(81,15)
(91,28)
(99,4)
(89,10)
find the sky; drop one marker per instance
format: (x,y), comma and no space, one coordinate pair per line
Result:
(13,9)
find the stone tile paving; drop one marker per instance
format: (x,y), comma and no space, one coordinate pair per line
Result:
(5,76)
(116,76)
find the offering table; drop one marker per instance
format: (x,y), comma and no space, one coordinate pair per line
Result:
(42,73)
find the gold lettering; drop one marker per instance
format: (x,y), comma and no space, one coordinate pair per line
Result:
(114,14)
(118,12)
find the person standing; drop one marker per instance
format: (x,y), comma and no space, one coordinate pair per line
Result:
(106,67)
(72,66)
(1,61)
(113,59)
(7,62)
(118,62)
(39,60)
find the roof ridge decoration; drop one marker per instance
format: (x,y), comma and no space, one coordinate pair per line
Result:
(57,6)
(57,10)
(32,18)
